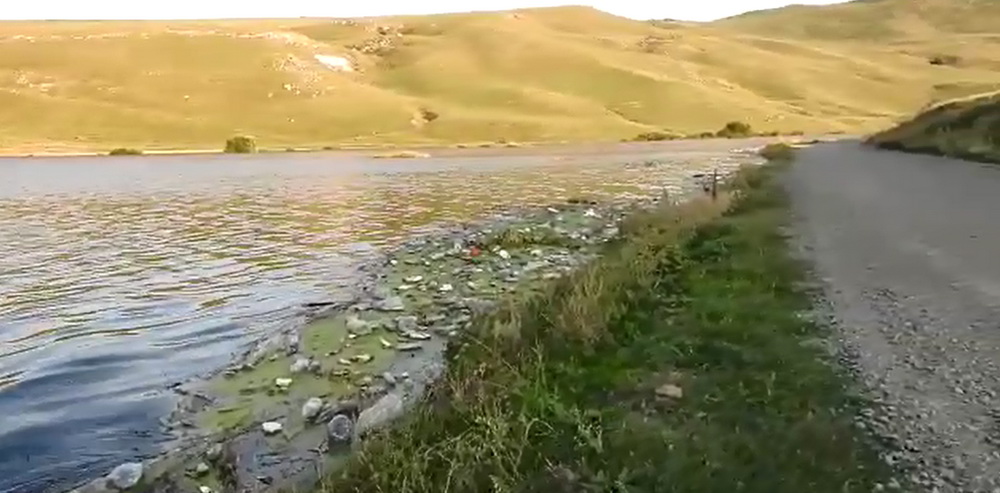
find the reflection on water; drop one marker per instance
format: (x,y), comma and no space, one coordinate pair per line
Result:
(118,277)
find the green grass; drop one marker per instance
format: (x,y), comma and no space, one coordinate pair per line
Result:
(967,128)
(558,392)
(125,151)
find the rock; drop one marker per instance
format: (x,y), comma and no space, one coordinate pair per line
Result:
(363,358)
(384,411)
(214,453)
(311,408)
(409,347)
(292,343)
(300,365)
(204,489)
(670,391)
(271,427)
(537,252)
(201,469)
(417,335)
(446,288)
(385,344)
(389,378)
(357,326)
(590,213)
(407,323)
(413,279)
(504,254)
(340,430)
(126,475)
(283,383)
(391,304)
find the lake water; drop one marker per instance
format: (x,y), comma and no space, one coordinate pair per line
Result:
(121,276)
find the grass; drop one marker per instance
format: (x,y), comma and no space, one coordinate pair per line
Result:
(566,74)
(966,128)
(677,362)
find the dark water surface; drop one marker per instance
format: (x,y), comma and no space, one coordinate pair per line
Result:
(121,276)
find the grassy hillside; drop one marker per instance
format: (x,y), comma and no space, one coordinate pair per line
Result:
(967,128)
(535,75)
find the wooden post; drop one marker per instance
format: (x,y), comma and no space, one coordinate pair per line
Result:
(715,184)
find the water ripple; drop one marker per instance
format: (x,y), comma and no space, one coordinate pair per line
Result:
(119,278)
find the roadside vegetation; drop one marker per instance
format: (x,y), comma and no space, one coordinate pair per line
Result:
(679,361)
(732,130)
(967,128)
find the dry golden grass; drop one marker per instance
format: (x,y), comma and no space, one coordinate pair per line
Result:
(567,74)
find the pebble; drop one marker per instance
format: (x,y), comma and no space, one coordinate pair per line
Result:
(214,453)
(504,254)
(201,469)
(363,358)
(385,344)
(125,475)
(204,489)
(300,365)
(391,304)
(283,383)
(413,279)
(670,391)
(311,408)
(409,346)
(446,288)
(407,324)
(417,335)
(355,325)
(389,378)
(271,427)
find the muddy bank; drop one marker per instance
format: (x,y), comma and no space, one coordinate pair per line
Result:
(296,403)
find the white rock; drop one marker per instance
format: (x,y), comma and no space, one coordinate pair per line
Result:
(363,358)
(537,252)
(356,326)
(414,279)
(553,210)
(504,254)
(283,383)
(204,489)
(392,304)
(389,378)
(385,344)
(446,288)
(670,391)
(590,213)
(271,427)
(201,469)
(311,408)
(125,475)
(300,365)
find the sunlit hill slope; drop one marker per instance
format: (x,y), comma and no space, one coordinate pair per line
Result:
(568,73)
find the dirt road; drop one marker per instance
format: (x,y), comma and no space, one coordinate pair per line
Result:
(908,248)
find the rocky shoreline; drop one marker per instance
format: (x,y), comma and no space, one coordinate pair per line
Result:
(295,404)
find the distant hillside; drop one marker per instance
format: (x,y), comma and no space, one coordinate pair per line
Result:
(968,128)
(568,73)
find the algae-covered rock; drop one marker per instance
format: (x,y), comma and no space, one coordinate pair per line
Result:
(340,430)
(311,408)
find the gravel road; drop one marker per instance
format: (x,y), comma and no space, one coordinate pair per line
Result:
(908,250)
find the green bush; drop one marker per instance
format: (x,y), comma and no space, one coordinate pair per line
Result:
(735,129)
(241,144)
(125,151)
(653,136)
(778,152)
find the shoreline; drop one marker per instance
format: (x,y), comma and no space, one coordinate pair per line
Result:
(435,150)
(215,412)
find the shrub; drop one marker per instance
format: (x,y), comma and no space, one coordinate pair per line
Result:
(653,136)
(735,129)
(778,152)
(428,115)
(125,151)
(949,60)
(241,144)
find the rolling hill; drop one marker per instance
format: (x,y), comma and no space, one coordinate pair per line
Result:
(561,74)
